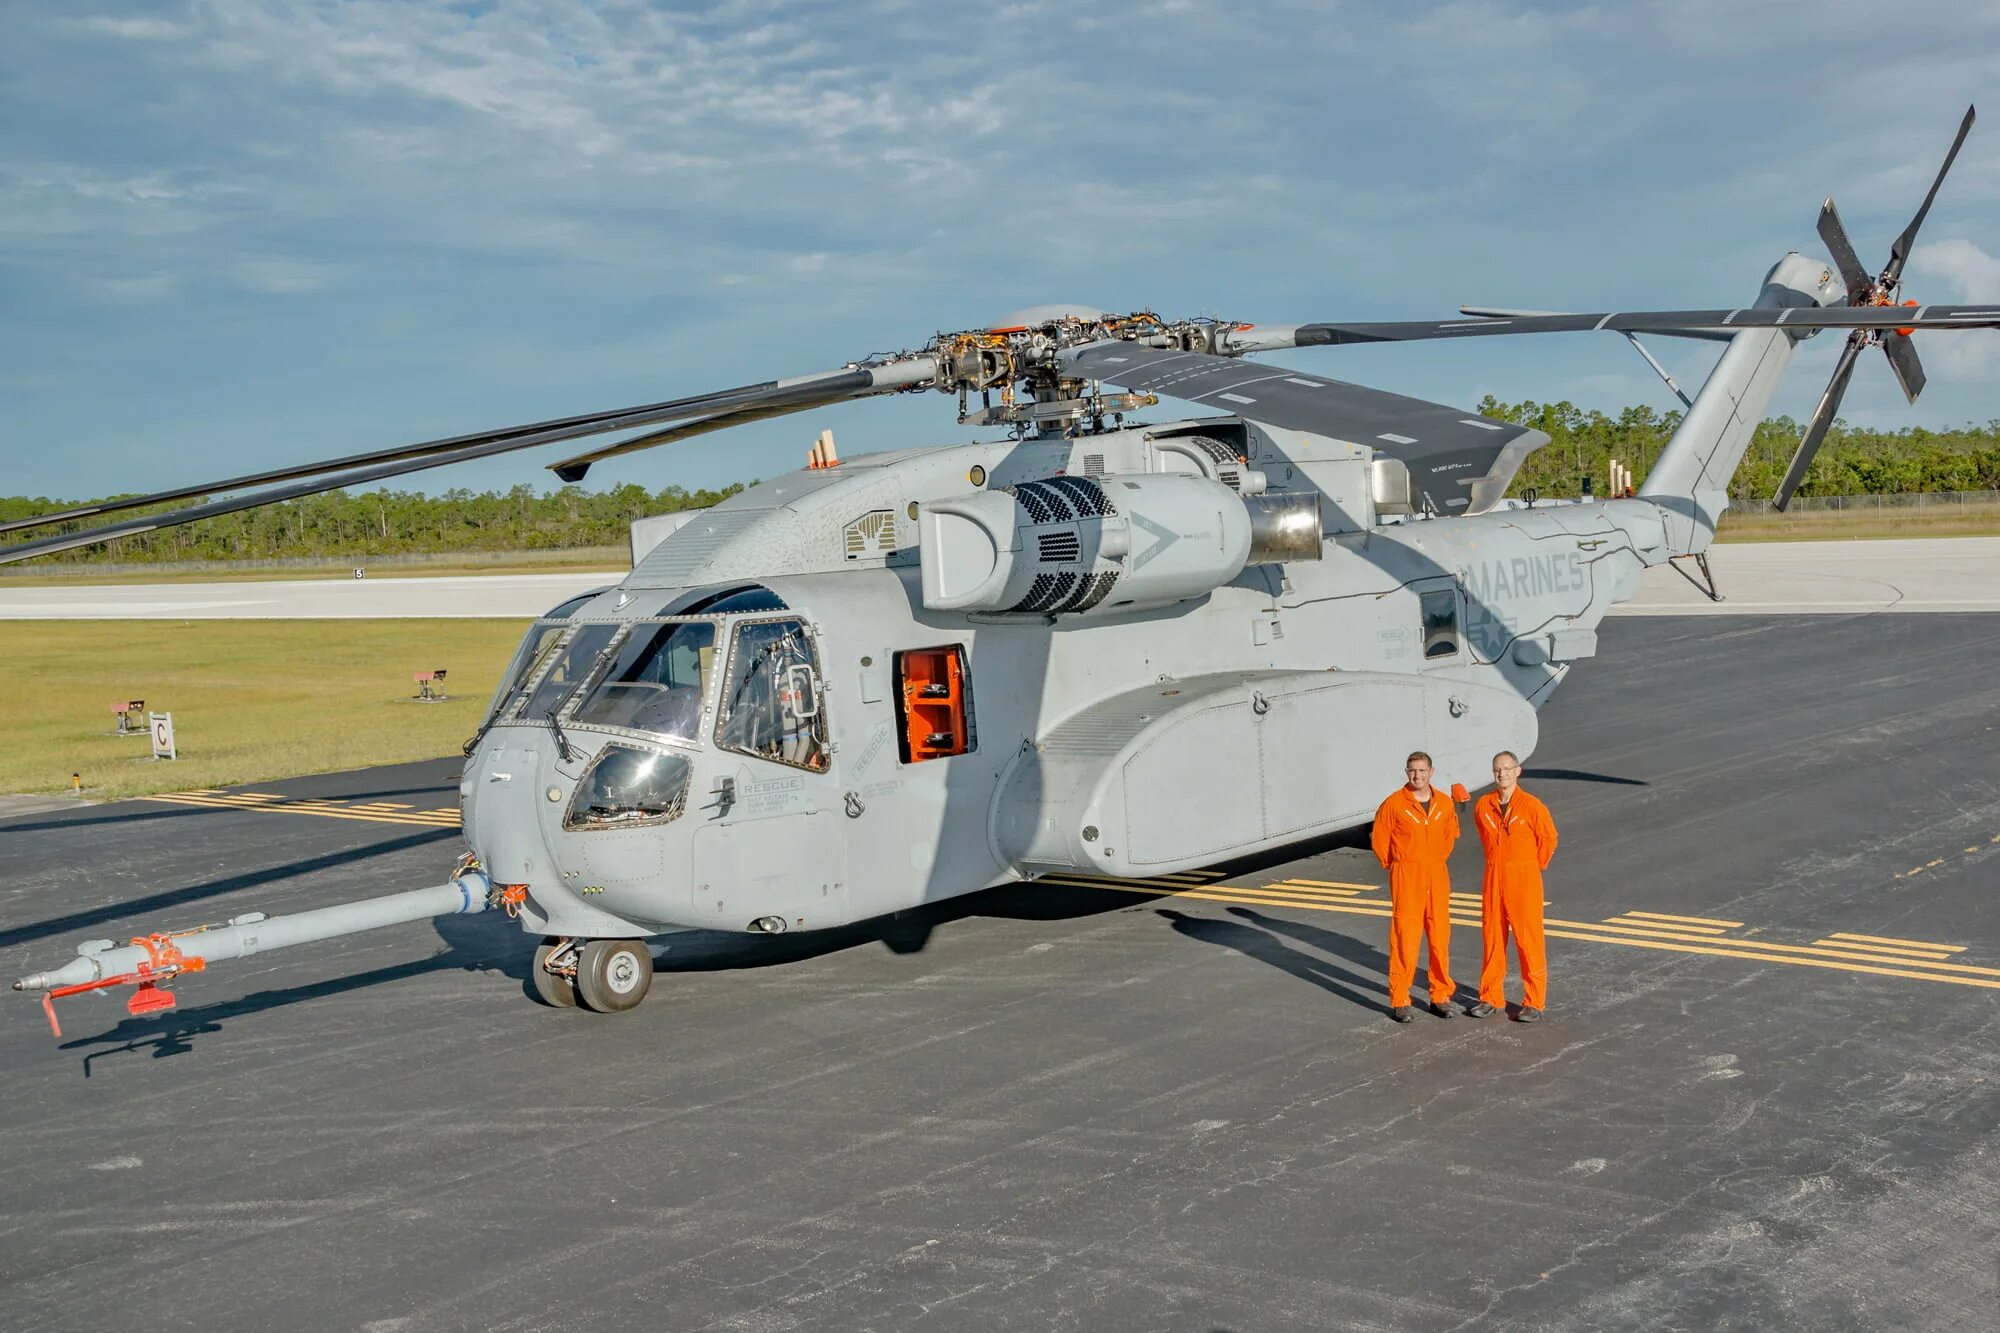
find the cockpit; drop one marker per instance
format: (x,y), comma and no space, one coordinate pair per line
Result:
(736,667)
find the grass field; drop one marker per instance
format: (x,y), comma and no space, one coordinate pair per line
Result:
(616,559)
(1969,520)
(252,699)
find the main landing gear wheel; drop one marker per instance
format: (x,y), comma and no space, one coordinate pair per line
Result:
(550,988)
(613,975)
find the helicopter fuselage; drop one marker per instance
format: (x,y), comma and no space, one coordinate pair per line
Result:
(833,750)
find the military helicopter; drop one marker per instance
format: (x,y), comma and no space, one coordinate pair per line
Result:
(1095,644)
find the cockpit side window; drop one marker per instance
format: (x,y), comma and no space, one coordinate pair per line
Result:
(654,681)
(771,704)
(528,658)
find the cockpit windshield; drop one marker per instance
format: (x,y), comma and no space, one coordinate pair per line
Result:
(654,681)
(565,663)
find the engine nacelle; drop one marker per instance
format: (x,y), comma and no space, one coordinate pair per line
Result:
(1104,545)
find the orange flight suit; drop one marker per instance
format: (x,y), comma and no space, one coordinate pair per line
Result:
(1414,843)
(1518,849)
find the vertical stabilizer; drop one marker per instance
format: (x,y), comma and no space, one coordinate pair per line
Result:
(1691,480)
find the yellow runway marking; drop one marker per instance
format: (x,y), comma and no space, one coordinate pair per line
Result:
(266,803)
(1849,958)
(1691,920)
(1746,951)
(1332,884)
(1891,939)
(1651,932)
(1654,923)
(1894,950)
(1876,951)
(1296,886)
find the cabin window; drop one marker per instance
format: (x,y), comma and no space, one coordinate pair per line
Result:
(1440,612)
(934,703)
(771,704)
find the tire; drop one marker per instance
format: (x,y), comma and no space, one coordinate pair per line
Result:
(613,975)
(552,990)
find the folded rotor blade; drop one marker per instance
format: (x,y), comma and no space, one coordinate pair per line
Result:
(832,385)
(1267,337)
(573,469)
(1822,420)
(1834,237)
(804,391)
(1899,253)
(1903,360)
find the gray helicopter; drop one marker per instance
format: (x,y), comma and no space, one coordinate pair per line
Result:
(1095,645)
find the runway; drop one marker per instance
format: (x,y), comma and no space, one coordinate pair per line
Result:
(1756,578)
(1764,1096)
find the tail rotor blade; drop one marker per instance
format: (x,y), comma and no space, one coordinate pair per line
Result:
(1822,420)
(1902,354)
(1859,284)
(1899,253)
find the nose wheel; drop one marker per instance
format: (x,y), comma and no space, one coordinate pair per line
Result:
(613,975)
(554,973)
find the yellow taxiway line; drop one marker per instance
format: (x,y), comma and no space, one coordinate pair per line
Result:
(1843,957)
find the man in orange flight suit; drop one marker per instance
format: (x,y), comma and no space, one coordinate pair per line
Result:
(1414,832)
(1519,838)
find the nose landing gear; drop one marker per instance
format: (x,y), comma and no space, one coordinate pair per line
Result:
(606,976)
(553,974)
(613,975)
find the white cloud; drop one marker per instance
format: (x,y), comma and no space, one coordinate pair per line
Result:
(145,289)
(282,277)
(1969,276)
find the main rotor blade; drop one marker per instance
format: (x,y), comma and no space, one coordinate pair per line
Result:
(808,390)
(1822,420)
(1268,337)
(833,384)
(573,469)
(1503,312)
(1899,253)
(1834,236)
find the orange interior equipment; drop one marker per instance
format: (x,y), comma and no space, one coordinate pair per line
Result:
(932,689)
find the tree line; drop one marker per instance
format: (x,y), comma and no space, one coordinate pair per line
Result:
(1850,462)
(340,524)
(1582,443)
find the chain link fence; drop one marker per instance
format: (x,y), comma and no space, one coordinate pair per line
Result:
(1870,504)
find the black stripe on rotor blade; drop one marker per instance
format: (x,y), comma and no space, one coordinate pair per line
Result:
(1660,321)
(835,384)
(811,393)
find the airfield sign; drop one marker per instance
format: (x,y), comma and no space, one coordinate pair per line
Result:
(163,735)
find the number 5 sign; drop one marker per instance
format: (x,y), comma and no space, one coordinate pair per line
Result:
(163,735)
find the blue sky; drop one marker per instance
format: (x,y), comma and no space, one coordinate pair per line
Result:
(234,235)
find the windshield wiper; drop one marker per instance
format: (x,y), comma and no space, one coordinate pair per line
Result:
(563,747)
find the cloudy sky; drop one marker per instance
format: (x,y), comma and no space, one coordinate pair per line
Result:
(236,234)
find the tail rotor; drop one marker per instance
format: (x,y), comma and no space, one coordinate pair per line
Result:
(1862,290)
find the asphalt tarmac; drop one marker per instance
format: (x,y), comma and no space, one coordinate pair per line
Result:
(1766,1094)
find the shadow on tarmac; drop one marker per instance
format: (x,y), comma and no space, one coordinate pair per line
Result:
(1578,775)
(1263,939)
(197,892)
